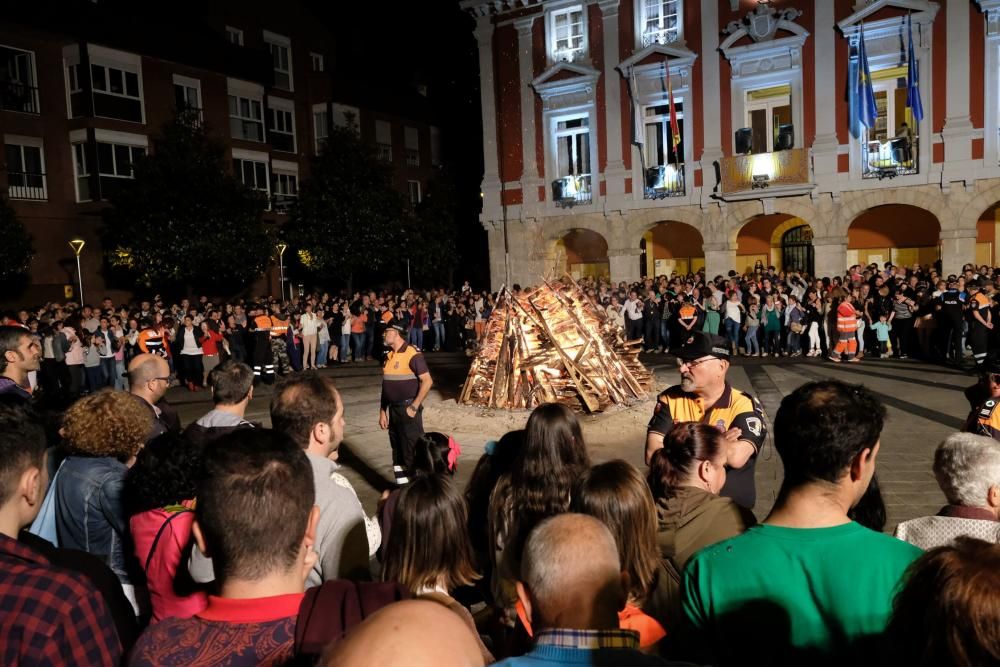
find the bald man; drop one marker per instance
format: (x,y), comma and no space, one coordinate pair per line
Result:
(148,380)
(572,588)
(416,633)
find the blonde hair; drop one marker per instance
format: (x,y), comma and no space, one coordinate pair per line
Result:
(108,423)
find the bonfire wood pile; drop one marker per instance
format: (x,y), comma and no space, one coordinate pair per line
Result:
(552,344)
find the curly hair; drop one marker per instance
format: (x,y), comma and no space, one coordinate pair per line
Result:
(165,473)
(108,423)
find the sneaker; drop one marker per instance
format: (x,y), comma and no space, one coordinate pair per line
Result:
(834,359)
(855,360)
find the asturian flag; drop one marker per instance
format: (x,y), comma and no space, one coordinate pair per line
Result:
(675,130)
(913,77)
(638,127)
(865,97)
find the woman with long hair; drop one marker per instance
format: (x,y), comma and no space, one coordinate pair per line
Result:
(616,493)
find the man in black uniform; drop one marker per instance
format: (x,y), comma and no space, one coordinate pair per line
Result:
(950,323)
(984,419)
(259,331)
(406,382)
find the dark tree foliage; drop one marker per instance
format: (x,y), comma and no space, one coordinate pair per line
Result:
(432,231)
(348,220)
(186,220)
(16,248)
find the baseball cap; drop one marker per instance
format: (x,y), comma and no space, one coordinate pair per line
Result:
(396,325)
(701,344)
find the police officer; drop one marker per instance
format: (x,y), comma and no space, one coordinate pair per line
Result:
(705,396)
(259,328)
(406,382)
(984,397)
(950,323)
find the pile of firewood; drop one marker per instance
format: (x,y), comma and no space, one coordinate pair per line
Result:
(553,344)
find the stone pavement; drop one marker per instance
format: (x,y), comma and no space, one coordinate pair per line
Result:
(925,403)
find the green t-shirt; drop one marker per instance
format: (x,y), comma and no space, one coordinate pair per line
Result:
(794,596)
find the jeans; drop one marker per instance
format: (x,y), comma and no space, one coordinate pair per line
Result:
(322,353)
(95,378)
(369,341)
(793,342)
(634,329)
(416,337)
(753,345)
(121,382)
(651,334)
(732,328)
(345,347)
(108,369)
(665,334)
(772,341)
(358,340)
(438,335)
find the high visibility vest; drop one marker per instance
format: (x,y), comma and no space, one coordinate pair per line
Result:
(279,327)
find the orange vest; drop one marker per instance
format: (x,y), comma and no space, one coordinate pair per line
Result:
(279,327)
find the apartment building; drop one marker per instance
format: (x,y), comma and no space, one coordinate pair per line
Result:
(762,158)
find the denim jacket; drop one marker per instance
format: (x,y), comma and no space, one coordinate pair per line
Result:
(89,511)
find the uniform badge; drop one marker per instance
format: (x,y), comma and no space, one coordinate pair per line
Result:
(721,425)
(754,425)
(395,366)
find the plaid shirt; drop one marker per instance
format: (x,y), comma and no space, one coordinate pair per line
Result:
(588,639)
(48,616)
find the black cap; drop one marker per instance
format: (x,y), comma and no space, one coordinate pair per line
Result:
(701,344)
(396,325)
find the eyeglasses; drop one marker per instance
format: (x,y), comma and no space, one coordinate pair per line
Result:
(164,379)
(681,363)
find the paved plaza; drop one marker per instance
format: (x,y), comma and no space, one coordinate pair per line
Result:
(925,403)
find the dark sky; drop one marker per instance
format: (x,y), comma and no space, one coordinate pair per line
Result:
(385,49)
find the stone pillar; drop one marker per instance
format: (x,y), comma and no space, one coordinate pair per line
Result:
(710,82)
(498,260)
(487,88)
(624,264)
(958,130)
(830,255)
(826,144)
(958,247)
(720,259)
(529,174)
(614,173)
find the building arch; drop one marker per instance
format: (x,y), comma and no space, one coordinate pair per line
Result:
(988,236)
(741,214)
(936,205)
(972,212)
(904,234)
(556,228)
(671,246)
(640,223)
(760,239)
(580,252)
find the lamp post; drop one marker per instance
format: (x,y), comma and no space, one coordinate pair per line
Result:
(282,247)
(77,246)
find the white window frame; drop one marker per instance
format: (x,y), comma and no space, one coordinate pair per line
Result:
(571,132)
(660,36)
(663,120)
(114,159)
(318,61)
(257,158)
(569,53)
(188,82)
(32,75)
(106,58)
(321,130)
(284,170)
(107,80)
(79,149)
(280,104)
(275,40)
(252,93)
(768,105)
(412,151)
(379,143)
(235,35)
(28,142)
(410,190)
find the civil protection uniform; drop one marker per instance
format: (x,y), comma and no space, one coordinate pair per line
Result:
(150,341)
(400,385)
(734,409)
(985,419)
(847,331)
(979,335)
(262,357)
(279,344)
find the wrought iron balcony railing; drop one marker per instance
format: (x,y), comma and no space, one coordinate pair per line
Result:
(664,36)
(895,157)
(412,157)
(571,191)
(384,152)
(17,96)
(23,185)
(664,181)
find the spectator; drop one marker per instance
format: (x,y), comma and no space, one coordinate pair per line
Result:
(263,556)
(572,587)
(967,468)
(946,615)
(20,354)
(212,342)
(430,554)
(51,616)
(416,633)
(148,379)
(837,577)
(616,494)
(103,433)
(159,498)
(232,391)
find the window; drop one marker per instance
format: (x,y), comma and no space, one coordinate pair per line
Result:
(321,128)
(114,81)
(115,160)
(18,85)
(890,148)
(234,35)
(281,129)
(413,187)
(767,110)
(661,21)
(383,140)
(658,146)
(245,118)
(281,59)
(117,91)
(411,141)
(252,173)
(25,171)
(285,184)
(567,33)
(187,95)
(573,147)
(82,172)
(318,63)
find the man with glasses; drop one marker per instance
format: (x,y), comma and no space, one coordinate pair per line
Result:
(705,396)
(149,378)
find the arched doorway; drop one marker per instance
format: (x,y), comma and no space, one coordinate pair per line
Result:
(988,237)
(899,233)
(797,250)
(582,253)
(763,239)
(671,248)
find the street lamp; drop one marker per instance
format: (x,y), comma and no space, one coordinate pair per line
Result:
(77,246)
(282,247)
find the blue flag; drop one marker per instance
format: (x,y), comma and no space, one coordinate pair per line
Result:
(913,78)
(865,97)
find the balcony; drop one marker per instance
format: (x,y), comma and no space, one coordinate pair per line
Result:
(664,181)
(570,191)
(412,157)
(281,141)
(895,157)
(282,204)
(23,185)
(247,130)
(777,174)
(664,36)
(384,152)
(16,96)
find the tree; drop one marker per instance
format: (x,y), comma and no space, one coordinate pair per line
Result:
(431,233)
(347,220)
(16,248)
(185,220)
